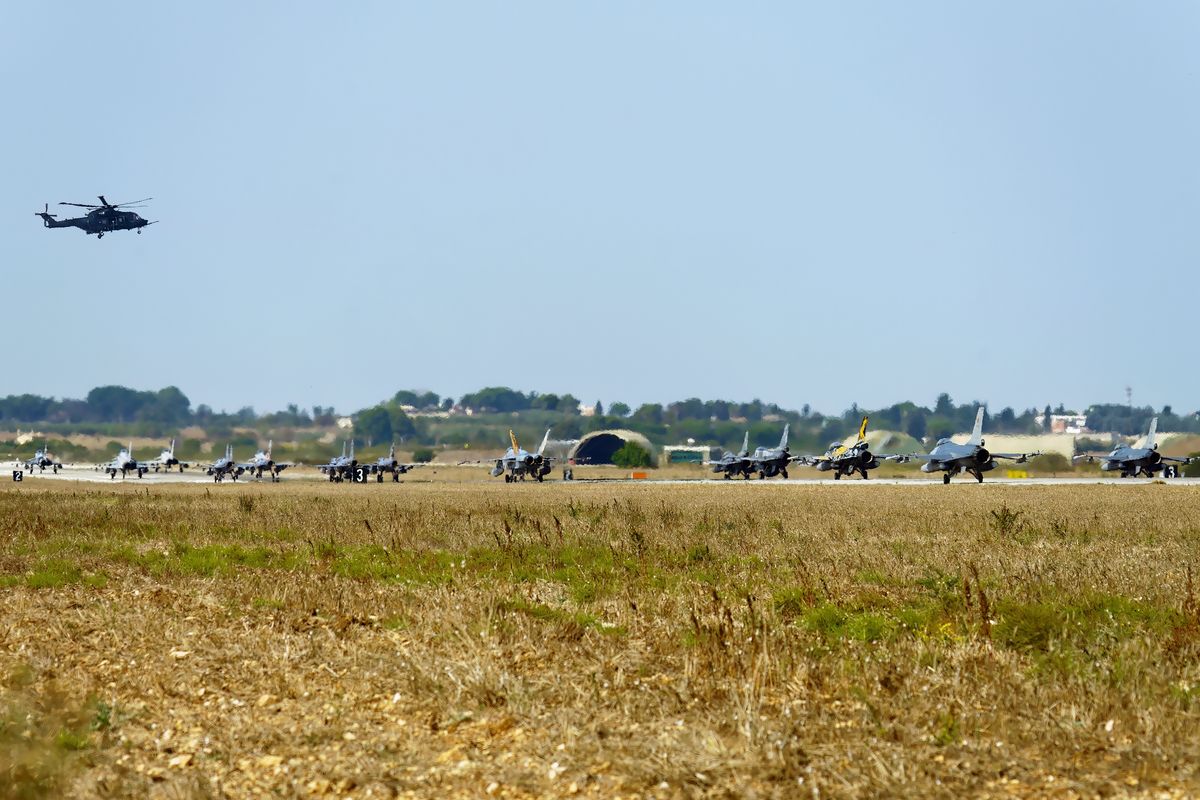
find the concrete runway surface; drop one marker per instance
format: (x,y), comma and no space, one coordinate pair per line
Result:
(308,475)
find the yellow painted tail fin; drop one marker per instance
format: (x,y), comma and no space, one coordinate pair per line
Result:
(862,431)
(513,438)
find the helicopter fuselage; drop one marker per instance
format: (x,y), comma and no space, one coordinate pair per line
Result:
(98,223)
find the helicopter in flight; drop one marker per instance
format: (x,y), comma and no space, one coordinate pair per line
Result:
(101,219)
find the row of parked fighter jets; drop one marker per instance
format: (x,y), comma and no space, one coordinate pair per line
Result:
(339,468)
(948,457)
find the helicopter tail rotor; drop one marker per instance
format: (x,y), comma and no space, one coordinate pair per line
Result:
(45,214)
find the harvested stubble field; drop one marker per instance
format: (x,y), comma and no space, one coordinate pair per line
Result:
(602,640)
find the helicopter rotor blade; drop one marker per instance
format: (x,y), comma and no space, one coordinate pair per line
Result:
(131,202)
(81,205)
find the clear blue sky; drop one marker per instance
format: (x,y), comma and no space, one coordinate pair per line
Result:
(817,203)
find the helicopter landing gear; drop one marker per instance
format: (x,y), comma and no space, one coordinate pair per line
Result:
(99,236)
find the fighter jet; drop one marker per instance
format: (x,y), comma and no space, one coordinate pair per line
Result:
(389,463)
(225,466)
(843,460)
(516,463)
(124,463)
(972,457)
(263,462)
(735,463)
(340,467)
(166,459)
(1134,461)
(41,459)
(771,461)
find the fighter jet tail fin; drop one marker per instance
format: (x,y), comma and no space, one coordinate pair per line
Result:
(783,439)
(392,452)
(542,447)
(512,437)
(977,432)
(270,444)
(745,445)
(172,448)
(862,429)
(1150,443)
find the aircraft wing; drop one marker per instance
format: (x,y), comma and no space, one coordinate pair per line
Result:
(1020,458)
(1177,460)
(1092,457)
(809,461)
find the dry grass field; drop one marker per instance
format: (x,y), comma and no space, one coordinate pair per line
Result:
(599,640)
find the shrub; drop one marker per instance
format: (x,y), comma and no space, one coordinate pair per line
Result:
(633,455)
(1053,463)
(422,455)
(1192,470)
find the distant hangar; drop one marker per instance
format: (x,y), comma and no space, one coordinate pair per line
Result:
(598,447)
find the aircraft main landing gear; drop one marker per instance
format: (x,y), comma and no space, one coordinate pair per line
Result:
(946,479)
